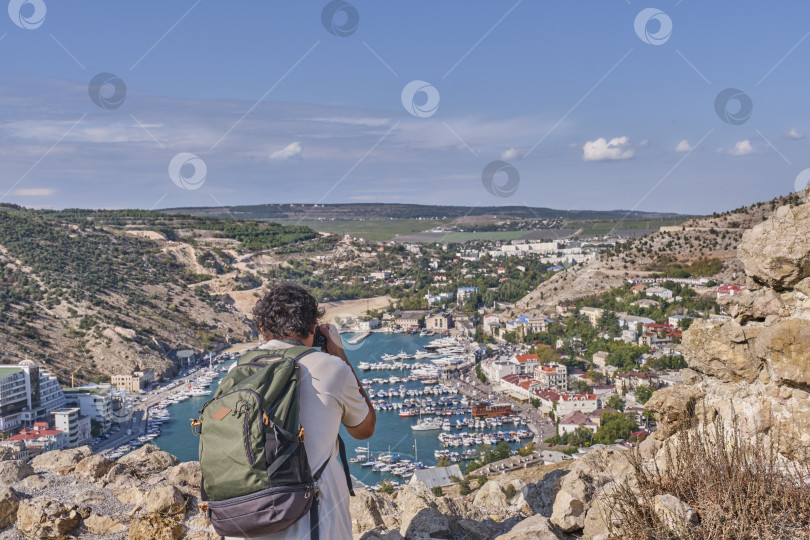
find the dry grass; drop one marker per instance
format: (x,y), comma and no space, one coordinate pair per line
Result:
(741,489)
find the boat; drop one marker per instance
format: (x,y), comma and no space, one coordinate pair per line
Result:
(427,424)
(361,450)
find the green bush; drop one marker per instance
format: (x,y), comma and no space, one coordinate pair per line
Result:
(437,491)
(510,491)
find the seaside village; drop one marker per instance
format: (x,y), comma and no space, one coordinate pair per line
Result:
(559,370)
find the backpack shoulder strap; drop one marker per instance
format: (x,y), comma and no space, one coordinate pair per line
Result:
(294,353)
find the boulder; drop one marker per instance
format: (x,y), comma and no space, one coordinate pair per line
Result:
(752,305)
(370,510)
(60,459)
(94,466)
(148,459)
(721,350)
(785,346)
(491,496)
(133,495)
(588,474)
(187,473)
(13,471)
(478,530)
(167,500)
(45,518)
(536,527)
(426,523)
(155,527)
(97,524)
(37,482)
(540,495)
(9,503)
(671,406)
(776,253)
(381,534)
(674,512)
(7,453)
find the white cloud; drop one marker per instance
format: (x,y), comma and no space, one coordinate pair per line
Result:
(293,151)
(794,134)
(34,192)
(603,150)
(509,154)
(683,146)
(742,148)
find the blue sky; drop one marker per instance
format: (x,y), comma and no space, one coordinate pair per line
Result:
(270,106)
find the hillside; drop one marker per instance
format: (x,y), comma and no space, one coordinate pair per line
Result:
(100,292)
(675,251)
(366,211)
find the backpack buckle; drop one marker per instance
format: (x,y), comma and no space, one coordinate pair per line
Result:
(301,434)
(196,426)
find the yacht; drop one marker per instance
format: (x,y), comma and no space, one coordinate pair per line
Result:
(446,425)
(427,424)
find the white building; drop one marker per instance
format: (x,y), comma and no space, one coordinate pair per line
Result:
(552,375)
(594,314)
(95,402)
(525,363)
(660,292)
(464,293)
(70,421)
(569,403)
(600,360)
(27,393)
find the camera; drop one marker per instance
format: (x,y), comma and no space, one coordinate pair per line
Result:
(319,340)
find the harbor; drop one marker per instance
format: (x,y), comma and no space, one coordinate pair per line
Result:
(421,417)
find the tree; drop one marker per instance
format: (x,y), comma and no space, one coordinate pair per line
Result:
(614,426)
(444,461)
(580,386)
(615,402)
(526,450)
(437,491)
(386,487)
(643,393)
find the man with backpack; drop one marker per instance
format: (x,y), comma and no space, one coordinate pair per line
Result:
(273,465)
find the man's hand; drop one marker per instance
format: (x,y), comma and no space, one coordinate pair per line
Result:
(333,344)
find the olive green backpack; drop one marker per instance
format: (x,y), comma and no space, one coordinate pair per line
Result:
(255,473)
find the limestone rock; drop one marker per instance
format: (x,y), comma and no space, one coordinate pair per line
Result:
(187,473)
(9,503)
(45,518)
(671,405)
(94,466)
(148,459)
(97,524)
(752,305)
(786,348)
(13,471)
(381,534)
(370,511)
(720,349)
(674,512)
(134,496)
(478,530)
(155,527)
(491,496)
(426,523)
(588,474)
(60,459)
(7,453)
(776,253)
(536,527)
(37,482)
(166,500)
(540,495)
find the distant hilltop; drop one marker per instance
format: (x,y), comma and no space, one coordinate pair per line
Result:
(357,211)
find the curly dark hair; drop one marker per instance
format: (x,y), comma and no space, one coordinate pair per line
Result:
(287,309)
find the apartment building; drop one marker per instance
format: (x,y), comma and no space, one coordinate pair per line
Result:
(27,393)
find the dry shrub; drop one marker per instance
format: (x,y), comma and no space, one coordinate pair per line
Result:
(741,489)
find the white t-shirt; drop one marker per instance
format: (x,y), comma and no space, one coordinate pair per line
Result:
(329,396)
